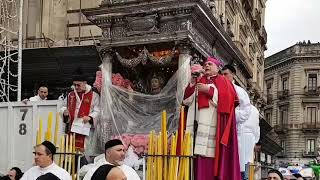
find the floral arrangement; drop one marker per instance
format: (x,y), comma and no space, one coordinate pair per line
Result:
(139,142)
(116,80)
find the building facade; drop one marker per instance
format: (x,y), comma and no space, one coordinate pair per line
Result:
(293,102)
(59,23)
(243,20)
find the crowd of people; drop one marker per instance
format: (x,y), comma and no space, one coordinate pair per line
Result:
(224,124)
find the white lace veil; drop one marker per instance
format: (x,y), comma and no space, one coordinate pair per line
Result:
(137,113)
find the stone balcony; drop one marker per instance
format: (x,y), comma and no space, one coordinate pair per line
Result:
(283,94)
(269,98)
(281,128)
(309,154)
(310,127)
(312,91)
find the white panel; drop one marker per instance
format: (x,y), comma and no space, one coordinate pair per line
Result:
(21,137)
(4,139)
(19,125)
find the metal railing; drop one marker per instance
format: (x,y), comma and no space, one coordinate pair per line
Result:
(312,91)
(309,153)
(283,94)
(35,42)
(310,126)
(281,128)
(269,98)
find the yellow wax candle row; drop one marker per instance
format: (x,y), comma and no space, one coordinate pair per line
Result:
(67,161)
(48,133)
(156,165)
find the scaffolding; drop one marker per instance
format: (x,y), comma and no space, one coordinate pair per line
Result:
(10,52)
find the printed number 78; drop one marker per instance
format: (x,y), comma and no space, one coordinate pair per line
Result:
(23,126)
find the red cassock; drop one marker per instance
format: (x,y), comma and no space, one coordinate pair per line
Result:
(226,161)
(83,111)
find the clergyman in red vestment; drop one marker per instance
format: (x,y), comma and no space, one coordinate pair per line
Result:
(216,143)
(84,104)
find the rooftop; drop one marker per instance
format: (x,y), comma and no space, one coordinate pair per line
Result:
(300,49)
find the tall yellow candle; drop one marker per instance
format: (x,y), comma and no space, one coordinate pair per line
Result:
(49,135)
(38,139)
(40,130)
(181,125)
(155,159)
(164,143)
(165,152)
(175,159)
(56,129)
(159,158)
(153,152)
(182,164)
(50,117)
(74,157)
(61,149)
(67,151)
(70,151)
(46,136)
(171,160)
(49,127)
(149,157)
(164,124)
(188,153)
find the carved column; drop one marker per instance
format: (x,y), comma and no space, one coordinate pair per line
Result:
(184,68)
(104,126)
(33,14)
(106,55)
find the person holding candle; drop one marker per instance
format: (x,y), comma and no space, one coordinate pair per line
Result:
(114,155)
(81,104)
(45,165)
(216,136)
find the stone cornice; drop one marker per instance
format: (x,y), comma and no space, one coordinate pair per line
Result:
(298,50)
(303,59)
(278,66)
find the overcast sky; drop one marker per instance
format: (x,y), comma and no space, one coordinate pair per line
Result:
(290,21)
